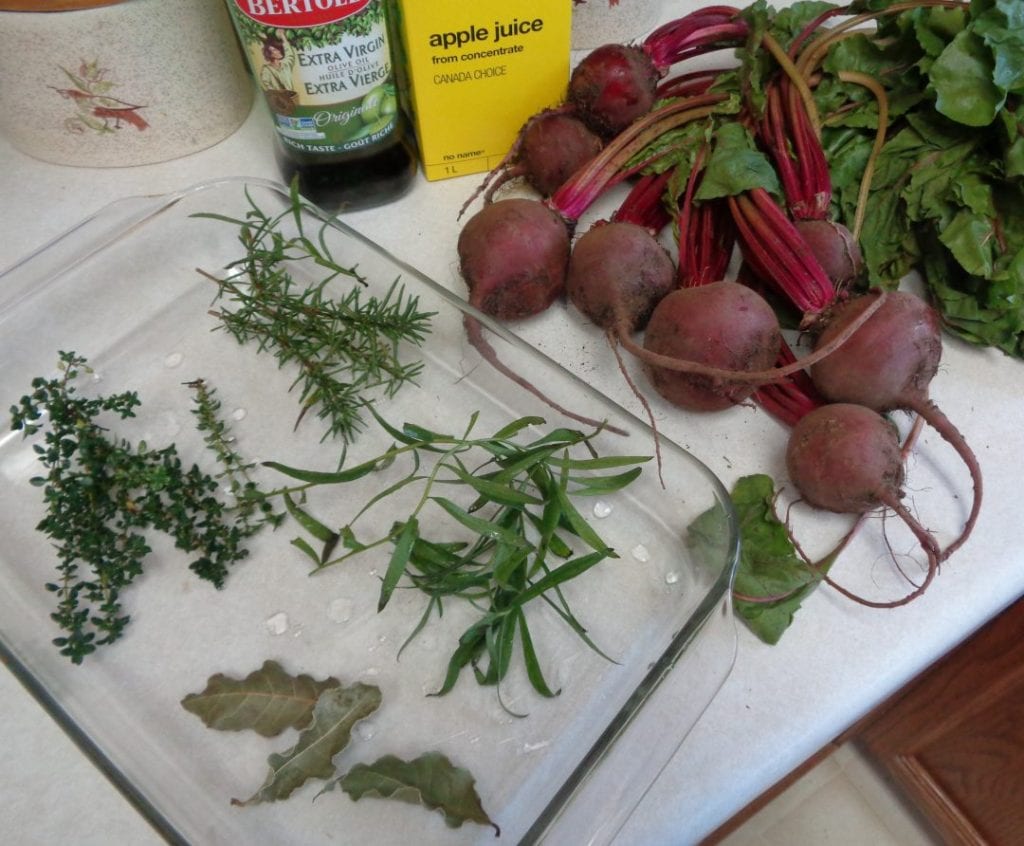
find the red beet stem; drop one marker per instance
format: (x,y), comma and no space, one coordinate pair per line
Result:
(607,168)
(789,401)
(689,84)
(778,253)
(706,233)
(644,205)
(701,31)
(797,152)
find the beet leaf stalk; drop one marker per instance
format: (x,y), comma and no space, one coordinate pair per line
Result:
(644,204)
(778,253)
(706,29)
(609,167)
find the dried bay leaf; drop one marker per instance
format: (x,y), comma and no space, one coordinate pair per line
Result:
(430,780)
(336,711)
(267,701)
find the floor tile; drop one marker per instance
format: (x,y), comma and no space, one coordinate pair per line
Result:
(843,801)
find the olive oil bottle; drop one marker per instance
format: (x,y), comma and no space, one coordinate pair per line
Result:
(326,70)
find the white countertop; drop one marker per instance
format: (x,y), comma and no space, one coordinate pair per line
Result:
(779,705)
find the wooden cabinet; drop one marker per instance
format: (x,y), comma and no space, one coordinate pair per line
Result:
(953,739)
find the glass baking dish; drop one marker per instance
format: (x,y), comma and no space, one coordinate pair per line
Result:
(122,290)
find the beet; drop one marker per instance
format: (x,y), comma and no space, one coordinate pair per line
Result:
(549,148)
(888,364)
(612,86)
(707,347)
(554,146)
(513,256)
(835,248)
(723,324)
(846,458)
(618,272)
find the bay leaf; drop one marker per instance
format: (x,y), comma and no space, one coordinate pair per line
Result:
(336,711)
(267,701)
(430,780)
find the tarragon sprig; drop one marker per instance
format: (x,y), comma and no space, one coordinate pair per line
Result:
(515,537)
(346,349)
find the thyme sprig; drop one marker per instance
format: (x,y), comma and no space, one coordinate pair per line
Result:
(518,539)
(102,494)
(251,508)
(347,350)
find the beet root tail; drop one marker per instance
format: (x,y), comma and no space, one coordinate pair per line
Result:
(937,419)
(474,332)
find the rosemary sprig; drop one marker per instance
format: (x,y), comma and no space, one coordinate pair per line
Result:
(516,538)
(347,350)
(102,494)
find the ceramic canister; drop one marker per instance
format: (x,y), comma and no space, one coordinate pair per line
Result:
(597,22)
(107,83)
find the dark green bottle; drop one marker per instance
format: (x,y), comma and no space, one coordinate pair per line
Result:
(326,70)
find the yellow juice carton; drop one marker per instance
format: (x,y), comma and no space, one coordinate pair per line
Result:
(476,71)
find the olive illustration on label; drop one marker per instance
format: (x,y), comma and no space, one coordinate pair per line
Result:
(381,123)
(378,103)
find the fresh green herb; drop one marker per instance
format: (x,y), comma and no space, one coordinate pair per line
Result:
(346,350)
(252,509)
(517,537)
(102,494)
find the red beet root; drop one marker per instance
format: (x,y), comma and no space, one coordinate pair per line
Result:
(550,147)
(846,458)
(888,364)
(554,147)
(617,274)
(835,248)
(513,256)
(723,324)
(612,86)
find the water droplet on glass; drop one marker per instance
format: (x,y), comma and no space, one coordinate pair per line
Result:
(641,553)
(173,360)
(97,377)
(371,671)
(527,748)
(239,414)
(671,578)
(340,610)
(602,509)
(364,730)
(277,624)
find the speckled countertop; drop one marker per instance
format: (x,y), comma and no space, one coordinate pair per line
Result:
(779,705)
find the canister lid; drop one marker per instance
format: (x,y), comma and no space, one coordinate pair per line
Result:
(53,5)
